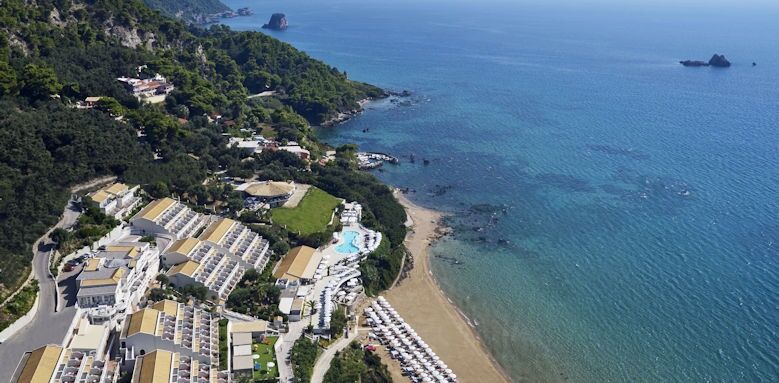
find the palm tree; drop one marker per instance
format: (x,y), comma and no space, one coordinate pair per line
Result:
(310,304)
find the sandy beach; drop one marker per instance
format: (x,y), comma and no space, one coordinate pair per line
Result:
(422,304)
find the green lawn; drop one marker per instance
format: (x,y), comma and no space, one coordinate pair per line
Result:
(267,354)
(311,215)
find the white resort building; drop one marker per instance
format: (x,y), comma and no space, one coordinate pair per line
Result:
(216,271)
(250,248)
(116,200)
(352,213)
(115,279)
(56,364)
(174,327)
(162,366)
(167,216)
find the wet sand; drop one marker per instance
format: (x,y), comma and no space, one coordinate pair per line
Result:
(420,301)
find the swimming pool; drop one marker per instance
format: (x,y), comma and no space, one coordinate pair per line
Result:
(348,246)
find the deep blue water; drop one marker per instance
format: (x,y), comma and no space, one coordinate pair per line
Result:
(616,213)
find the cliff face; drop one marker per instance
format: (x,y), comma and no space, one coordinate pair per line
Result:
(278,21)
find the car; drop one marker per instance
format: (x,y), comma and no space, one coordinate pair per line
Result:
(68,267)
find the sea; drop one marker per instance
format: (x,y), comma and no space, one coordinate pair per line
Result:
(616,214)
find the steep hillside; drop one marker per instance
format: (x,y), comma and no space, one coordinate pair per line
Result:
(56,52)
(188,10)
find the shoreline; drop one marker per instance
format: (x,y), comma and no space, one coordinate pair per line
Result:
(421,302)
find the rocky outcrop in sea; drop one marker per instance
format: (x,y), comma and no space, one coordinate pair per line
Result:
(278,22)
(717,60)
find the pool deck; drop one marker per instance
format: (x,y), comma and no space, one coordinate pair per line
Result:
(331,257)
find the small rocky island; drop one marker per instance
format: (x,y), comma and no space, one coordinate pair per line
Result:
(717,60)
(278,22)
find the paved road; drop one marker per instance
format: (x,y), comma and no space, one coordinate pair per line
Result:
(323,363)
(295,331)
(47,326)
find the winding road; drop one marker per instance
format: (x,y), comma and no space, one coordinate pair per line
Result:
(49,326)
(324,360)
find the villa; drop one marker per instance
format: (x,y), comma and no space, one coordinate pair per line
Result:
(250,248)
(169,217)
(116,200)
(115,279)
(151,90)
(174,327)
(296,149)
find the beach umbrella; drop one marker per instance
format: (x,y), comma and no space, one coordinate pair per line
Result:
(448,371)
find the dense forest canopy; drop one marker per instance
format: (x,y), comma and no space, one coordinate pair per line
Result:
(54,53)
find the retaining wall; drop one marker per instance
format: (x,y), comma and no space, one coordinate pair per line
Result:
(21,322)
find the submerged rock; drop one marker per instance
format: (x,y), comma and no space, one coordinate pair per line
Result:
(278,22)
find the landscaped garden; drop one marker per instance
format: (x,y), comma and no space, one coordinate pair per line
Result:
(265,365)
(310,216)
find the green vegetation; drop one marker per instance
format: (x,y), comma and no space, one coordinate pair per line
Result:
(75,48)
(338,322)
(312,214)
(303,357)
(19,305)
(267,354)
(188,10)
(256,295)
(42,152)
(354,364)
(92,225)
(381,212)
(223,344)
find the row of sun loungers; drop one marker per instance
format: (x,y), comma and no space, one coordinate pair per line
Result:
(419,361)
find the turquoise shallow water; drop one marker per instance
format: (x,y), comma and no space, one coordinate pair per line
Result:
(615,212)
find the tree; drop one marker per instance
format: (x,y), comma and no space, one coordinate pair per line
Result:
(8,79)
(158,189)
(163,279)
(310,304)
(157,295)
(39,82)
(337,322)
(111,106)
(60,236)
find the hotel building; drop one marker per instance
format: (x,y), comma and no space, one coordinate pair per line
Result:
(115,279)
(249,248)
(116,200)
(167,216)
(171,326)
(162,366)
